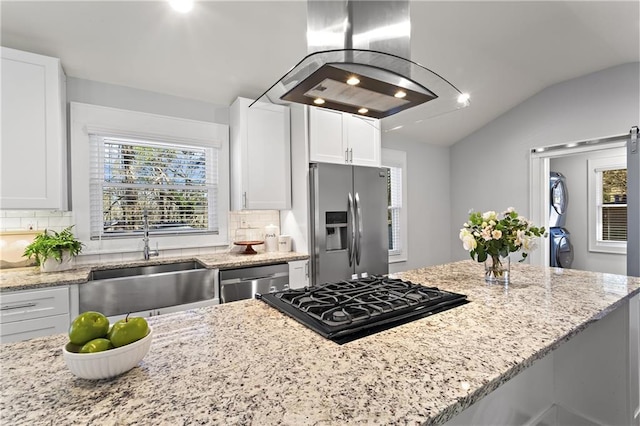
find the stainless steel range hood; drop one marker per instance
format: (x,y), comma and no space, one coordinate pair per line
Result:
(358,63)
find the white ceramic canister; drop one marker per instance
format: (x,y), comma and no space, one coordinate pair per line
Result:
(271,233)
(284,243)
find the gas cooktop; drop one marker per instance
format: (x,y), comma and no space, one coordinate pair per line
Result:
(347,310)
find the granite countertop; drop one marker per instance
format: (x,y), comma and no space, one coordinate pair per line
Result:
(32,278)
(247,363)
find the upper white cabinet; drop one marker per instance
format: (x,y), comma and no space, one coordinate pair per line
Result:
(260,156)
(33,154)
(336,137)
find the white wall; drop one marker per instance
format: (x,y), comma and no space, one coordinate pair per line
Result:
(490,168)
(428,200)
(132,99)
(574,168)
(110,95)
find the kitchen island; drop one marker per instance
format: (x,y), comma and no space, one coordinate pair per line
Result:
(247,363)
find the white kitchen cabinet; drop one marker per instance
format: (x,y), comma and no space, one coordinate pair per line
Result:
(298,274)
(260,156)
(33,155)
(634,358)
(33,313)
(591,379)
(341,138)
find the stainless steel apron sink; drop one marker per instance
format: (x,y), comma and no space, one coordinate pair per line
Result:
(141,288)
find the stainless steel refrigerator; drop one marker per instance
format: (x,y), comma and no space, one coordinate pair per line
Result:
(349,228)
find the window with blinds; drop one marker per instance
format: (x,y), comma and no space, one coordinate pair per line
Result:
(394,199)
(612,205)
(176,184)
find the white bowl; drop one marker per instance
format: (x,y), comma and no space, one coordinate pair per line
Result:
(110,363)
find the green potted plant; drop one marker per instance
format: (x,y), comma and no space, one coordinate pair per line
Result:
(54,251)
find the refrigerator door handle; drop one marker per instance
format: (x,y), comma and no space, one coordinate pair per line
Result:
(351,241)
(359,233)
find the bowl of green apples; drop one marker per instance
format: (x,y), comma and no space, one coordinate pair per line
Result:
(97,350)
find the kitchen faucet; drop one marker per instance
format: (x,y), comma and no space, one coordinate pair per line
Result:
(145,223)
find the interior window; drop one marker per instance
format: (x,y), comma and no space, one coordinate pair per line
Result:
(608,204)
(396,163)
(612,206)
(394,201)
(174,185)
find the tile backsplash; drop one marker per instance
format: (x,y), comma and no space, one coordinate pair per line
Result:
(19,220)
(251,219)
(37,220)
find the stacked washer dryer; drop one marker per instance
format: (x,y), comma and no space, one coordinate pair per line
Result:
(559,237)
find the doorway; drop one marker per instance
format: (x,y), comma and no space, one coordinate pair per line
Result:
(575,161)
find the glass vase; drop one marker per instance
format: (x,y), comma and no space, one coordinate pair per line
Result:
(497,269)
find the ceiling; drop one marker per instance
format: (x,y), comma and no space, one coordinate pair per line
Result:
(501,52)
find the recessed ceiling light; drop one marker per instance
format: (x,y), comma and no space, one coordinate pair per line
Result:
(400,94)
(363,110)
(463,98)
(182,6)
(318,101)
(353,81)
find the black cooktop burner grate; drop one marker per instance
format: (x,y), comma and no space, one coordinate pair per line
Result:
(342,311)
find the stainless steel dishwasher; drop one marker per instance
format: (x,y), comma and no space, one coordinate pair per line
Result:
(244,283)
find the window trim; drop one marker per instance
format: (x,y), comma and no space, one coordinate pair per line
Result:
(396,158)
(594,166)
(86,119)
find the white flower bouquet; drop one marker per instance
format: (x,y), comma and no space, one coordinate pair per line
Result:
(491,235)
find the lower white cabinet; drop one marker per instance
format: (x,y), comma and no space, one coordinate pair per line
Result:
(298,274)
(33,313)
(634,357)
(591,379)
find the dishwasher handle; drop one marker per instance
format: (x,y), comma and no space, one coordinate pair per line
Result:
(263,277)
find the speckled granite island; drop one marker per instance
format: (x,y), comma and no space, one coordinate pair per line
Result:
(247,363)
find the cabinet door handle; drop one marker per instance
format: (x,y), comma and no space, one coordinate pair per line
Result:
(244,200)
(351,155)
(24,305)
(346,155)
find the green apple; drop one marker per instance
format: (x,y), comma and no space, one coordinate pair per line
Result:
(96,345)
(70,347)
(88,326)
(128,330)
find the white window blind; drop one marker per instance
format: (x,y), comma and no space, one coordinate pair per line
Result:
(176,184)
(394,189)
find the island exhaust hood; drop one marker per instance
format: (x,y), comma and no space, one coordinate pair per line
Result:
(358,63)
